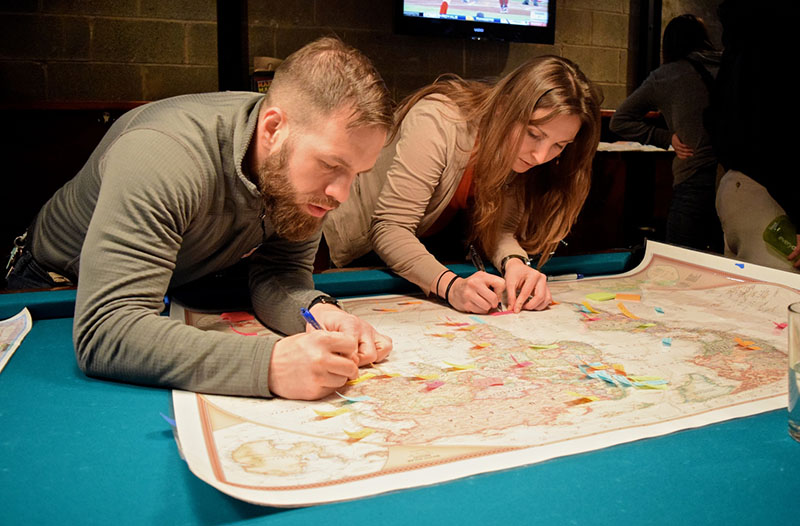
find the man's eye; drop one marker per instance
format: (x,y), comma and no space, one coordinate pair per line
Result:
(327,166)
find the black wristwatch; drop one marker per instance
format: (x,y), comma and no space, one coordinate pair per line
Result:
(503,262)
(324,298)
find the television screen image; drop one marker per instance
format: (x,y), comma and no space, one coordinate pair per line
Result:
(509,20)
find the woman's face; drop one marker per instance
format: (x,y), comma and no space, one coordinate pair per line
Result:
(543,142)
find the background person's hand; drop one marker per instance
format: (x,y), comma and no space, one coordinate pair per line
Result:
(681,150)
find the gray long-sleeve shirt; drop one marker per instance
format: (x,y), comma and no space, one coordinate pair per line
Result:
(679,93)
(162,201)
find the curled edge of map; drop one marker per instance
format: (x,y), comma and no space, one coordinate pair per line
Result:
(12,331)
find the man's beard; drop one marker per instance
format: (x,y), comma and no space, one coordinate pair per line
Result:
(283,205)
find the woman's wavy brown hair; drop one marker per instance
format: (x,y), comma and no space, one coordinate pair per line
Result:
(550,195)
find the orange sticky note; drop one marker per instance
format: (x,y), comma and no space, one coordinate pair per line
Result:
(628,297)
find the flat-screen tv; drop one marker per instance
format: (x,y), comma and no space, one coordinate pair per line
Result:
(506,20)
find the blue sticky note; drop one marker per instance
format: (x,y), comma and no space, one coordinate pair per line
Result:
(667,342)
(659,310)
(740,265)
(169,420)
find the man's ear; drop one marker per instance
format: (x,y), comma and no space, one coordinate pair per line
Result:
(273,128)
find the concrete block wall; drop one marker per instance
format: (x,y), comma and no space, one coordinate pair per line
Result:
(130,50)
(106,50)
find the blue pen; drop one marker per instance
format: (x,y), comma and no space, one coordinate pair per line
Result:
(310,318)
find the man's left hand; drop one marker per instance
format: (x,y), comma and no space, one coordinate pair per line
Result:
(373,346)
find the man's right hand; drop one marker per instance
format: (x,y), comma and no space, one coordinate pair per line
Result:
(312,365)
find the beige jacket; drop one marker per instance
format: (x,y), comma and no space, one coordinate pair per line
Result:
(413,180)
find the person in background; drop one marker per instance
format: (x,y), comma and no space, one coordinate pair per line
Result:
(514,157)
(181,188)
(679,89)
(760,183)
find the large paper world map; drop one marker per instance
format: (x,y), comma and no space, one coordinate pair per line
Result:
(671,345)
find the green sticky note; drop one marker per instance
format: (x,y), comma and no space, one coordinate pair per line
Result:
(601,296)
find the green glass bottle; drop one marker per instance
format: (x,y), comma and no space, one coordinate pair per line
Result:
(781,235)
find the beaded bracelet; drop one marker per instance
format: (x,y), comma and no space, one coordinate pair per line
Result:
(447,292)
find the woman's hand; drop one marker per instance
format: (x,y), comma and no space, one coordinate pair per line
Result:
(526,288)
(479,293)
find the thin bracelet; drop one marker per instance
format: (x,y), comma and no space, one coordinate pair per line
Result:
(447,292)
(436,288)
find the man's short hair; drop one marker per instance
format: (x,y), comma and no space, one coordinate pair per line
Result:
(326,76)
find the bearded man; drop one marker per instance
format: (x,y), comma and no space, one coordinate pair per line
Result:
(181,188)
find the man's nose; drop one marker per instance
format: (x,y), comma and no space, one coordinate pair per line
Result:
(339,188)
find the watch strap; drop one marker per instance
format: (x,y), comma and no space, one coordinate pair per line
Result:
(324,298)
(503,262)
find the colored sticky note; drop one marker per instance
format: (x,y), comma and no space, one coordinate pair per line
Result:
(330,414)
(624,310)
(365,376)
(550,346)
(169,420)
(628,297)
(666,342)
(353,399)
(601,296)
(460,367)
(430,386)
(520,364)
(659,310)
(361,433)
(779,325)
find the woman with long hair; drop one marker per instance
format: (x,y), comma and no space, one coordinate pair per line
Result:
(515,155)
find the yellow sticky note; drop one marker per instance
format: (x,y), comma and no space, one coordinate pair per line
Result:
(589,307)
(336,412)
(624,310)
(460,367)
(601,296)
(551,346)
(361,433)
(365,376)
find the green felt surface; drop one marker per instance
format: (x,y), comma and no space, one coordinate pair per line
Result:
(77,450)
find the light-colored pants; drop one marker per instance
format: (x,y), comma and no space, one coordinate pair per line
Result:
(745,208)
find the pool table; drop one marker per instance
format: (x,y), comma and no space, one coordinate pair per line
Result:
(78,450)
